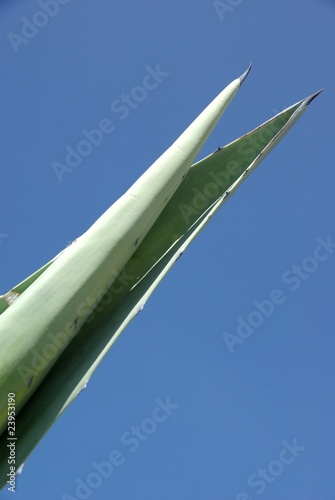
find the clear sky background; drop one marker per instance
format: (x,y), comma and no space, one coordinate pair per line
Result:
(235,412)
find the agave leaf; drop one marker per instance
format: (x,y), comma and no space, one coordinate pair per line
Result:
(206,187)
(56,300)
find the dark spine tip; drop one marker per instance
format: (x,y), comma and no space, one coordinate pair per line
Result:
(245,74)
(309,99)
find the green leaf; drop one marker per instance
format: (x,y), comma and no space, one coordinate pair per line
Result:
(60,299)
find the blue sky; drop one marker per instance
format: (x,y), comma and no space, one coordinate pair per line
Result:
(257,422)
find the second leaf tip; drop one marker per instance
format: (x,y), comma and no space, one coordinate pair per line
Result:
(309,99)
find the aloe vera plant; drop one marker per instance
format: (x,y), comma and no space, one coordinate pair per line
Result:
(57,325)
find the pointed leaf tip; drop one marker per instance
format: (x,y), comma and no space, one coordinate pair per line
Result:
(309,99)
(245,74)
